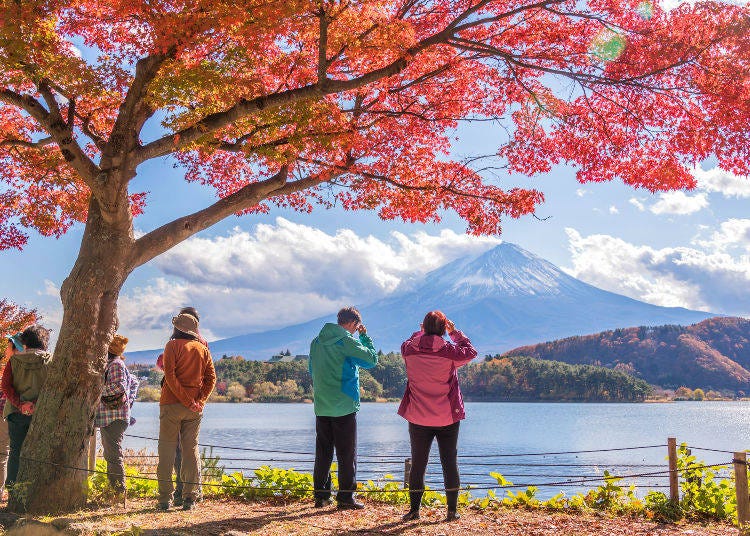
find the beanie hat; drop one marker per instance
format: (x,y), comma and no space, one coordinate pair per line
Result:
(186,323)
(117,346)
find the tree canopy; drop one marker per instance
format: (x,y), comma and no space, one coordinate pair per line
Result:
(353,103)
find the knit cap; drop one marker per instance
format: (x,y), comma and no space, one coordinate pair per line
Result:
(117,346)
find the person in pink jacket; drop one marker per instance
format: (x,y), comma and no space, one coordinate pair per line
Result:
(433,404)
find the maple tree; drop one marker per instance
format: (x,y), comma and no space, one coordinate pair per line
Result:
(297,103)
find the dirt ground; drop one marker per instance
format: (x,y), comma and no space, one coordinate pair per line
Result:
(230,518)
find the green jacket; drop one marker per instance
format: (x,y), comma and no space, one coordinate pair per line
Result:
(29,369)
(335,358)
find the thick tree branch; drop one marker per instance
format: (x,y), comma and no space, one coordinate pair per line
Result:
(28,144)
(131,117)
(167,236)
(323,46)
(56,127)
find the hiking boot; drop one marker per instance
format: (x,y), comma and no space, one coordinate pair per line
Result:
(452,516)
(162,507)
(411,515)
(350,505)
(188,504)
(321,503)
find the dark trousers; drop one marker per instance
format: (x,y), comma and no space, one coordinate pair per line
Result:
(18,427)
(112,436)
(338,433)
(421,441)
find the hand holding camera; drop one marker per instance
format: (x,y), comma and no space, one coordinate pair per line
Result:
(450,326)
(362,329)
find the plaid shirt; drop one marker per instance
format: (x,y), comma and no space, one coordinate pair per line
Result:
(118,380)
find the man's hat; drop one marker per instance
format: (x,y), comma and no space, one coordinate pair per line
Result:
(117,346)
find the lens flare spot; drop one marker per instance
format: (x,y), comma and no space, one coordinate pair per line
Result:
(608,45)
(645,10)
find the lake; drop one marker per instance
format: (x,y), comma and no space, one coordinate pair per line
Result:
(510,438)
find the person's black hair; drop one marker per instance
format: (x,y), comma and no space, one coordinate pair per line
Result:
(111,356)
(35,337)
(348,314)
(192,311)
(177,334)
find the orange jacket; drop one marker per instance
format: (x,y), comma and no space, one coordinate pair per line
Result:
(189,373)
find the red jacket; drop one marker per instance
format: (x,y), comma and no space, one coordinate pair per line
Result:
(432,396)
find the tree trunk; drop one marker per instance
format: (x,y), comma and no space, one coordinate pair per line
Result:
(63,420)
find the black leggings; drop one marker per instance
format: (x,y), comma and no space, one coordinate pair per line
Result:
(421,440)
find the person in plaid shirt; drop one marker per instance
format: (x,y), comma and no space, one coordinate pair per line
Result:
(113,415)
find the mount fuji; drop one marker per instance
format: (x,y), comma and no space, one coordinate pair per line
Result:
(502,299)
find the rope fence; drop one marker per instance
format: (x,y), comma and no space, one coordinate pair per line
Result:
(377,465)
(466,487)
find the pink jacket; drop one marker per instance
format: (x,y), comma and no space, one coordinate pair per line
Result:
(432,396)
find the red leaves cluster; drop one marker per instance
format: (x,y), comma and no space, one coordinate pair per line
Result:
(618,88)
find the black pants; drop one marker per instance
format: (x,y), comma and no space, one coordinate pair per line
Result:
(339,433)
(421,440)
(18,427)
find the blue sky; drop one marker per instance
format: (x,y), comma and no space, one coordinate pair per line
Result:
(688,249)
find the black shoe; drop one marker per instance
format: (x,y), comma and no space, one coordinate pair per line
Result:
(452,516)
(350,505)
(411,515)
(321,503)
(188,504)
(178,501)
(162,507)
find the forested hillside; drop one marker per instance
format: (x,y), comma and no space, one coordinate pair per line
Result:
(518,378)
(712,354)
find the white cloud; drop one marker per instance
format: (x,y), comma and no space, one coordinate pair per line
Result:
(613,210)
(50,289)
(679,203)
(702,277)
(292,257)
(637,204)
(724,182)
(280,275)
(580,192)
(732,234)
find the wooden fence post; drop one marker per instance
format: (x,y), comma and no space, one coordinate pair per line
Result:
(407,471)
(92,451)
(674,491)
(743,499)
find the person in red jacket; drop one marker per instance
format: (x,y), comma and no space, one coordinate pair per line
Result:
(433,405)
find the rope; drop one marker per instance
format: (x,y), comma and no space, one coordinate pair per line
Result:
(711,450)
(401,456)
(310,490)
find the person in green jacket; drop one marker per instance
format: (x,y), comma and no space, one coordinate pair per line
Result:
(335,357)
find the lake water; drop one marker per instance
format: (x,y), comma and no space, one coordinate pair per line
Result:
(502,437)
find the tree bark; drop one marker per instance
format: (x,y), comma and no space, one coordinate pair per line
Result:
(63,420)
